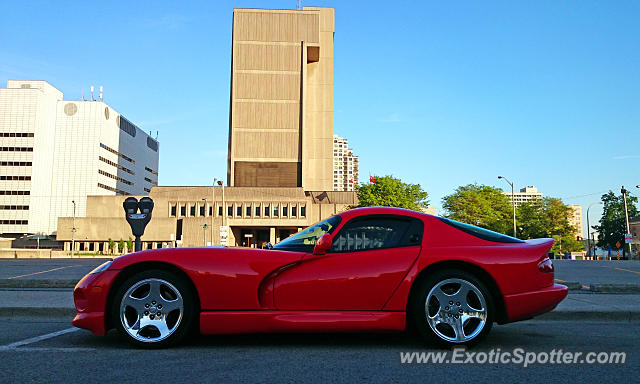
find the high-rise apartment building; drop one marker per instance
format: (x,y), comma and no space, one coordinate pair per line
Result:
(281,113)
(575,219)
(525,195)
(55,152)
(345,165)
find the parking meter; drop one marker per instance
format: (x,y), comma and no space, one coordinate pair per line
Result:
(138,220)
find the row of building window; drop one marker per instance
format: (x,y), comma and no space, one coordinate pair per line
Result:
(151,181)
(152,144)
(15,193)
(241,210)
(117,153)
(147,190)
(16,149)
(14,222)
(151,171)
(116,165)
(15,163)
(127,126)
(20,178)
(116,190)
(120,179)
(14,207)
(16,134)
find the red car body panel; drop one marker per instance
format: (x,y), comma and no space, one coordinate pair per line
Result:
(251,290)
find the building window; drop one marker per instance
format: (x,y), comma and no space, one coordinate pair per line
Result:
(202,210)
(257,211)
(14,222)
(248,210)
(127,126)
(16,163)
(266,210)
(173,211)
(16,149)
(103,146)
(229,210)
(183,210)
(303,211)
(220,210)
(20,178)
(285,211)
(14,207)
(192,210)
(116,165)
(239,211)
(211,210)
(294,211)
(152,144)
(120,179)
(276,210)
(116,190)
(151,171)
(16,134)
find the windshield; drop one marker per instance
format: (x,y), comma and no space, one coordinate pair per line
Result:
(306,240)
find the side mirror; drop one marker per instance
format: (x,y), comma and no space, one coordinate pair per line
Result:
(323,244)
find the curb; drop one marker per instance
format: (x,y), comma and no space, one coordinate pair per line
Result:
(37,312)
(614,288)
(17,283)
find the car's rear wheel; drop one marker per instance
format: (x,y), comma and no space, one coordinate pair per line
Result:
(153,309)
(452,307)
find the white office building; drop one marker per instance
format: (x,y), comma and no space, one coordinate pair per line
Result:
(55,152)
(345,165)
(525,195)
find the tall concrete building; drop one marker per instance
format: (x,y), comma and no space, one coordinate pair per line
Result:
(345,165)
(54,152)
(525,195)
(575,219)
(281,113)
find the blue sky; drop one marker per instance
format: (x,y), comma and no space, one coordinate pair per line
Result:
(442,94)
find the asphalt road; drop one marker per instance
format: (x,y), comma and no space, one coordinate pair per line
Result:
(584,272)
(78,356)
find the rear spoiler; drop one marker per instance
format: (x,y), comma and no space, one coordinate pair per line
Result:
(544,245)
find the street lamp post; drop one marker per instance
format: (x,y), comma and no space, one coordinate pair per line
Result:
(626,214)
(589,228)
(513,203)
(213,207)
(73,229)
(204,220)
(224,211)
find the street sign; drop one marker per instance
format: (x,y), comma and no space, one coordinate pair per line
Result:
(628,238)
(617,244)
(248,235)
(224,231)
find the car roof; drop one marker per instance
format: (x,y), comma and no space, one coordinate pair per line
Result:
(382,211)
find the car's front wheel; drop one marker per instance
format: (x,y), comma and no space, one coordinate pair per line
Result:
(452,307)
(153,309)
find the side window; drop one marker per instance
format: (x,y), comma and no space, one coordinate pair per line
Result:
(378,232)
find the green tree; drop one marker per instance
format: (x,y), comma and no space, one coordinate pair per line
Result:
(130,244)
(388,191)
(548,217)
(480,205)
(112,245)
(121,245)
(613,223)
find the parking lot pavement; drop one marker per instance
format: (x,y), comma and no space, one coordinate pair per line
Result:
(589,272)
(47,269)
(77,356)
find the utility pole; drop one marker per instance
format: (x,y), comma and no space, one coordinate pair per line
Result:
(513,203)
(626,215)
(73,229)
(589,228)
(213,208)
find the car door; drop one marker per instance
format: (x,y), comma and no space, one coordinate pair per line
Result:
(370,257)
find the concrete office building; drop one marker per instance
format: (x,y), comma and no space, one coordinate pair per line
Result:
(525,195)
(345,165)
(575,220)
(281,112)
(55,151)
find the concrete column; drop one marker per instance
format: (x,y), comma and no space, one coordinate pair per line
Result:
(272,235)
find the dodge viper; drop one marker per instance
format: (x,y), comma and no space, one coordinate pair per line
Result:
(367,269)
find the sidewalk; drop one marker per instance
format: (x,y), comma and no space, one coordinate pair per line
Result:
(576,307)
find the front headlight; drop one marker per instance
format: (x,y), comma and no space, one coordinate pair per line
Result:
(101,268)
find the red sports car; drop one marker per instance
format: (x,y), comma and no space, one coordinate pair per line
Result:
(368,269)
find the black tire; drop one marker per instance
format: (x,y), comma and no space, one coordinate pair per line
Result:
(444,334)
(171,288)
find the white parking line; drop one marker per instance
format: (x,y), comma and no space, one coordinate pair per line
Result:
(37,339)
(37,273)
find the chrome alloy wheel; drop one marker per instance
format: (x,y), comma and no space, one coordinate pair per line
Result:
(456,310)
(151,310)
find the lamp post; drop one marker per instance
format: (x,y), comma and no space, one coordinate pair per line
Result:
(224,211)
(204,219)
(513,203)
(73,229)
(626,214)
(213,207)
(588,227)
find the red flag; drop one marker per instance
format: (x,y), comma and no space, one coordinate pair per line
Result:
(372,179)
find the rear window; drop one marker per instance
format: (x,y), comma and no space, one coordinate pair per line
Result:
(481,233)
